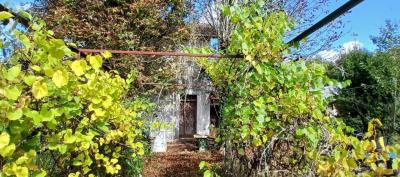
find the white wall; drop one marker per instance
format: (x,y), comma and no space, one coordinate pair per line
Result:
(203,114)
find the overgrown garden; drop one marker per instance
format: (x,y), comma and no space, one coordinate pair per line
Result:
(66,115)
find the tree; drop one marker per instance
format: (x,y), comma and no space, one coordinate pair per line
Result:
(117,24)
(122,25)
(303,12)
(373,92)
(389,36)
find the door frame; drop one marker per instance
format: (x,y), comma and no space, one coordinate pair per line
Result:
(184,99)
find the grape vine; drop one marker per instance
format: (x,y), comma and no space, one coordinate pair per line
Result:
(63,115)
(275,119)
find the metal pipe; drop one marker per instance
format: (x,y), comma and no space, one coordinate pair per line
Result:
(332,16)
(153,53)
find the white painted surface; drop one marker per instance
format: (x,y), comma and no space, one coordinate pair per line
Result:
(203,114)
(160,141)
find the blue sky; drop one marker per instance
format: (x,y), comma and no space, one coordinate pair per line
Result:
(363,20)
(366,18)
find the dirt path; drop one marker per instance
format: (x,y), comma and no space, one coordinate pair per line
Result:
(178,164)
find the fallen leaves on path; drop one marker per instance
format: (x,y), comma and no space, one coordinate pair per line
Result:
(178,164)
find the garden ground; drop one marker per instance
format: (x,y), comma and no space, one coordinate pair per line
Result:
(181,160)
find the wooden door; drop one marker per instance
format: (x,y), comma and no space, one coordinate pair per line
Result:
(187,124)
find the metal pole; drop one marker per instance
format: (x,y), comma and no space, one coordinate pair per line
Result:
(332,16)
(153,53)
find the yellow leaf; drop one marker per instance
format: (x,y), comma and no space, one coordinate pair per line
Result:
(4,139)
(370,127)
(107,54)
(21,171)
(381,143)
(78,67)
(13,72)
(396,164)
(36,68)
(39,89)
(5,15)
(344,164)
(95,61)
(257,142)
(107,103)
(60,78)
(7,150)
(141,152)
(352,163)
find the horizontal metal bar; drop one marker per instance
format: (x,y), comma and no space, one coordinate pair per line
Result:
(338,12)
(153,53)
(332,16)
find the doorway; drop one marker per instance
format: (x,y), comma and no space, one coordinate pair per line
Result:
(187,123)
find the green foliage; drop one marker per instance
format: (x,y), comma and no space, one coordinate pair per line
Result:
(208,169)
(62,115)
(117,24)
(275,118)
(348,156)
(124,25)
(5,15)
(374,90)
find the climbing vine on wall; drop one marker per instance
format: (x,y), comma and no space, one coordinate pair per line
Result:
(275,119)
(61,114)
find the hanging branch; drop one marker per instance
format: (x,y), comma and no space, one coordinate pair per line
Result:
(26,23)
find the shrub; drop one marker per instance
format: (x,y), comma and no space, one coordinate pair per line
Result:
(61,114)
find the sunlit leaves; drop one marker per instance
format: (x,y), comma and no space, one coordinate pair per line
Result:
(29,79)
(79,67)
(95,61)
(68,137)
(39,89)
(279,107)
(60,78)
(7,150)
(106,54)
(13,72)
(5,15)
(381,142)
(64,107)
(15,115)
(12,92)
(21,172)
(4,139)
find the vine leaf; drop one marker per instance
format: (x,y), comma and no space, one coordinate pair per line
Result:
(4,139)
(60,78)
(39,89)
(15,115)
(106,54)
(5,15)
(208,173)
(95,61)
(13,72)
(7,150)
(12,93)
(78,67)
